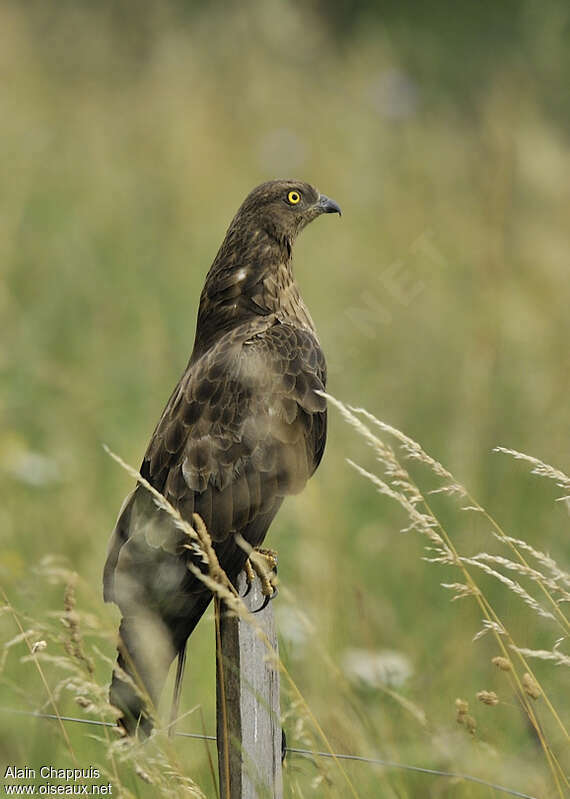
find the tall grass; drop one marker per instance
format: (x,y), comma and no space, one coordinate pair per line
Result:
(157,764)
(545,578)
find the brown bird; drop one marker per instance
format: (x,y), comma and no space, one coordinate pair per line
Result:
(243,428)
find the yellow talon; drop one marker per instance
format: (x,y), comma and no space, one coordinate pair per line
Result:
(263,562)
(249,573)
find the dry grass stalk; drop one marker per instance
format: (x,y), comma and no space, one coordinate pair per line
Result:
(461,590)
(512,585)
(557,574)
(539,468)
(397,485)
(70,619)
(414,451)
(544,654)
(527,571)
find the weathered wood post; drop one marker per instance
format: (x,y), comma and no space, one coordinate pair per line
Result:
(247,697)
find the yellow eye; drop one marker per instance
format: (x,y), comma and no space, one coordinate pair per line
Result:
(294,197)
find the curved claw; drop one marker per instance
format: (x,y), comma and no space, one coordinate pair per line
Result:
(264,605)
(249,574)
(283,745)
(267,600)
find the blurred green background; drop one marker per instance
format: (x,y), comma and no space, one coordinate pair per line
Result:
(130,133)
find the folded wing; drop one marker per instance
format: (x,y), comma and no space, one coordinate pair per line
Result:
(243,428)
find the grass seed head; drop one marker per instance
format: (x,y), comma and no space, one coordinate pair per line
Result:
(530,685)
(488,697)
(470,724)
(504,664)
(461,708)
(462,716)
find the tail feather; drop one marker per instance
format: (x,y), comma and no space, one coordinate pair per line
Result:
(177,689)
(128,697)
(147,646)
(145,654)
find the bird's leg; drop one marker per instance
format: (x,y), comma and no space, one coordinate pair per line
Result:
(249,576)
(263,563)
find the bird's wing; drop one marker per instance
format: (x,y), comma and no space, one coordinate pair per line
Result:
(243,428)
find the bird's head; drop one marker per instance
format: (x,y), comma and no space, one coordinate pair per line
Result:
(251,275)
(282,208)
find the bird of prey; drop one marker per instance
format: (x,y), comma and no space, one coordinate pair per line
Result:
(243,428)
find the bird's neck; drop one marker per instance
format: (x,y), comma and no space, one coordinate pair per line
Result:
(251,277)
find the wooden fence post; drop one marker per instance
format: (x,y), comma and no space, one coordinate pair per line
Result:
(247,698)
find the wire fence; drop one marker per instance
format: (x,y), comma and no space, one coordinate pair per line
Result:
(306,753)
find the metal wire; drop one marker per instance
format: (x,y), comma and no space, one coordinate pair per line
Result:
(302,752)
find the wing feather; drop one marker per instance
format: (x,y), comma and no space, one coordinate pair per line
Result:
(243,428)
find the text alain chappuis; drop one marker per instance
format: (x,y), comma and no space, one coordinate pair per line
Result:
(74,781)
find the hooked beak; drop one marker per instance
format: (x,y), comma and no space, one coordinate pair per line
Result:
(328,206)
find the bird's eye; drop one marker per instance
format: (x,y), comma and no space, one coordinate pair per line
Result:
(294,197)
